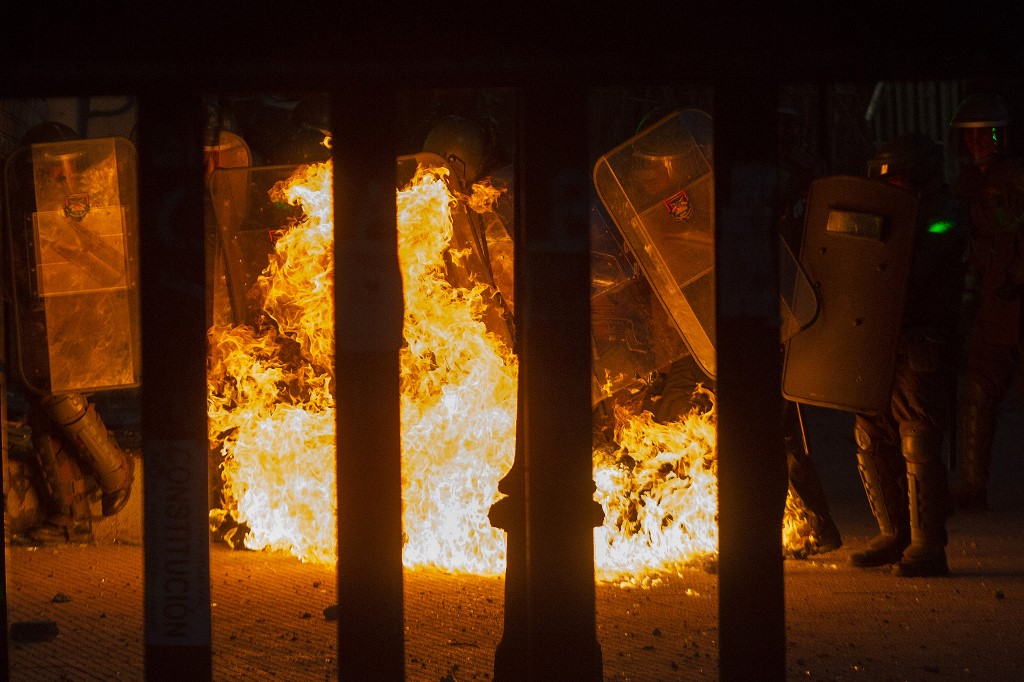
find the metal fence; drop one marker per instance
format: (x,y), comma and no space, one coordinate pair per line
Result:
(898,107)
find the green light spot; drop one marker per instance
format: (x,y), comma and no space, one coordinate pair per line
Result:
(940,226)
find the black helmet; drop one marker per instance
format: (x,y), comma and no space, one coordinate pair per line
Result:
(461,142)
(48,131)
(983,110)
(314,112)
(981,120)
(914,157)
(310,126)
(653,116)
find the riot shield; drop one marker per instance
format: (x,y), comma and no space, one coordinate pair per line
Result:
(658,188)
(631,333)
(856,249)
(246,221)
(72,255)
(798,301)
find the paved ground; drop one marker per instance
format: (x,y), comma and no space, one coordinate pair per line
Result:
(842,623)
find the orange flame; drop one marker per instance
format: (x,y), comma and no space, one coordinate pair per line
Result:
(659,492)
(271,413)
(458,397)
(270,405)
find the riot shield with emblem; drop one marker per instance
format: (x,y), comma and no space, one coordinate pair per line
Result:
(73,266)
(658,188)
(856,249)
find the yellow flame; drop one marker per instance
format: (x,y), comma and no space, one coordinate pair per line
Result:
(271,409)
(659,492)
(272,412)
(458,397)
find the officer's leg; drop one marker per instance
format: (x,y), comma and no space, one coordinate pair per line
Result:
(985,382)
(977,424)
(929,502)
(66,489)
(884,475)
(108,463)
(678,398)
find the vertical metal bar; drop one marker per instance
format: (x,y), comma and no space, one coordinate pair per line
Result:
(553,301)
(900,118)
(509,514)
(368,336)
(932,110)
(950,98)
(928,110)
(890,113)
(752,480)
(174,439)
(4,483)
(923,109)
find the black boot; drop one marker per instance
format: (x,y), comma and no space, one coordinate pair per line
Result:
(970,491)
(108,463)
(929,504)
(882,471)
(69,518)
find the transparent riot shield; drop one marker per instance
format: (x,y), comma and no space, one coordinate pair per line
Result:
(856,249)
(72,254)
(631,333)
(247,219)
(658,188)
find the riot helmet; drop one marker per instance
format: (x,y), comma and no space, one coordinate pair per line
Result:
(309,126)
(462,143)
(60,166)
(912,161)
(981,121)
(48,131)
(314,113)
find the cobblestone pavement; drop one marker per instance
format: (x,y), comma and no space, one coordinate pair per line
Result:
(269,623)
(842,623)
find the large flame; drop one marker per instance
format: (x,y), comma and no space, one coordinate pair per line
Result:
(659,492)
(272,413)
(271,410)
(458,397)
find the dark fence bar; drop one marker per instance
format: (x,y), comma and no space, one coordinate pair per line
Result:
(173,412)
(551,489)
(752,477)
(553,284)
(368,324)
(5,661)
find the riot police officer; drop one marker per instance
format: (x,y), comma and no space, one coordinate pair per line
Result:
(991,184)
(899,450)
(69,186)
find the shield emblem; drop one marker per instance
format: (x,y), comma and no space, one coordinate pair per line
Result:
(76,206)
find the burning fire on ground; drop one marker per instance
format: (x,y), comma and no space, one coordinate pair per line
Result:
(271,415)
